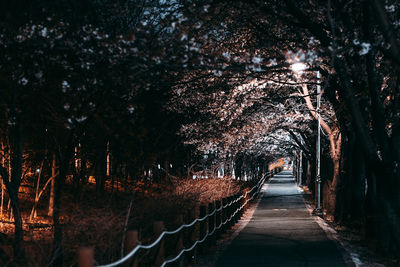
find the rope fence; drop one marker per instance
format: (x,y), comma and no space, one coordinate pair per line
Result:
(86,259)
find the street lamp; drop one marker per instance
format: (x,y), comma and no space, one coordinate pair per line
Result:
(318,210)
(301,165)
(298,68)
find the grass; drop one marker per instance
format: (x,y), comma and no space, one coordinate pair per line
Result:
(99,221)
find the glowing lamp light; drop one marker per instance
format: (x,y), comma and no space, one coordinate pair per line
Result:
(298,67)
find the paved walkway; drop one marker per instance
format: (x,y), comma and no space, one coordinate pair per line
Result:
(281,233)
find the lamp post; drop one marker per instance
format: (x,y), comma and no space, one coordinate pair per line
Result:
(318,210)
(301,165)
(298,68)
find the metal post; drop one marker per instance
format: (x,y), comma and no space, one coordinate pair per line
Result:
(318,210)
(301,167)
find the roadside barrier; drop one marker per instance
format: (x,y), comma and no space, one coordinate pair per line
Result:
(224,214)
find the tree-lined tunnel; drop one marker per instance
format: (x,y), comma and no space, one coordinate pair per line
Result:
(110,104)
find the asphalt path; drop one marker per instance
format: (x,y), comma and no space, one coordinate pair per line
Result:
(281,232)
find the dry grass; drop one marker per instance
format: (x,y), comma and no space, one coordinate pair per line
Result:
(99,221)
(206,190)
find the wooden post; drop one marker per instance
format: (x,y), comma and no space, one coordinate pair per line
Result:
(246,196)
(234,207)
(229,212)
(224,214)
(158,228)
(131,241)
(86,257)
(211,223)
(203,228)
(193,234)
(179,243)
(240,202)
(218,216)
(237,206)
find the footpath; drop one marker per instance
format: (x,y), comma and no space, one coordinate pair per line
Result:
(281,232)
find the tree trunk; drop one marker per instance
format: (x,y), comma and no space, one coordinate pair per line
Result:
(166,167)
(58,253)
(384,211)
(371,207)
(52,186)
(331,190)
(18,246)
(33,211)
(351,191)
(13,187)
(310,177)
(357,202)
(82,179)
(3,163)
(65,155)
(100,170)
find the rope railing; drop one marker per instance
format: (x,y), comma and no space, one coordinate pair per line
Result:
(207,234)
(196,220)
